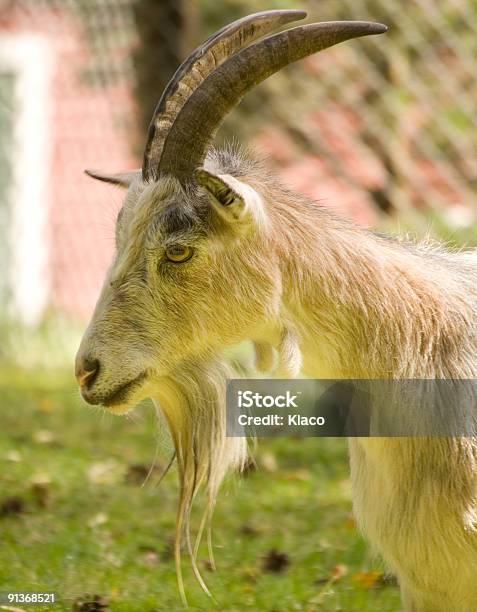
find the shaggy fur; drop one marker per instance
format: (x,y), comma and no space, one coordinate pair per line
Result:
(318,295)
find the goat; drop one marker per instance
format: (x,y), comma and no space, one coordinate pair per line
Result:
(212,250)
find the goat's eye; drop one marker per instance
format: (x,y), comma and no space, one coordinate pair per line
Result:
(179,253)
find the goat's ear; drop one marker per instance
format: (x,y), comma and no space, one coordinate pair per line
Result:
(234,200)
(122,179)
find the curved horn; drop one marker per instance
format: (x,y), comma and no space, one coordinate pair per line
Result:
(198,66)
(189,137)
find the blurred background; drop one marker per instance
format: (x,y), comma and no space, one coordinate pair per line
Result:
(379,129)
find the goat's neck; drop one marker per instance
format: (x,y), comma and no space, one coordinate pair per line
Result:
(361,306)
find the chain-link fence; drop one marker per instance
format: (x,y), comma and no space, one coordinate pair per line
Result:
(380,129)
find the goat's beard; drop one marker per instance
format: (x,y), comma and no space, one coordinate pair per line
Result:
(193,402)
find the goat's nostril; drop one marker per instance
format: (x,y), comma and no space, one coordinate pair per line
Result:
(87,372)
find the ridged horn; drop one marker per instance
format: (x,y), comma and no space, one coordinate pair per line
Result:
(198,66)
(188,139)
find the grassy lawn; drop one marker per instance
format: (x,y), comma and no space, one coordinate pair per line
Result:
(74,518)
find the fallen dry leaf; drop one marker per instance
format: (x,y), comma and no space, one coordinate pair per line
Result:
(136,474)
(339,571)
(336,573)
(249,530)
(98,519)
(14,456)
(369,580)
(139,473)
(149,556)
(43,436)
(106,472)
(268,462)
(12,506)
(40,478)
(275,561)
(350,522)
(91,603)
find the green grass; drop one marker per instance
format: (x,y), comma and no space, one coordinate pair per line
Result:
(75,520)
